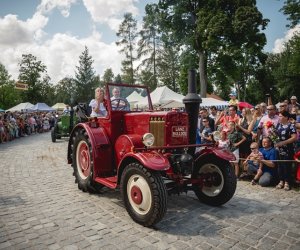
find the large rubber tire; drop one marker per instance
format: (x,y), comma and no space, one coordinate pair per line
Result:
(224,181)
(53,134)
(144,194)
(82,162)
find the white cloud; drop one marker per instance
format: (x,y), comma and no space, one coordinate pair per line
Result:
(279,44)
(63,6)
(61,54)
(110,12)
(14,31)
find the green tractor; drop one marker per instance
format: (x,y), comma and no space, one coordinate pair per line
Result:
(67,121)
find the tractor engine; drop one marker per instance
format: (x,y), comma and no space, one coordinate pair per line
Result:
(169,129)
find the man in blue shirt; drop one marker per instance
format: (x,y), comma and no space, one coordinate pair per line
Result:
(269,167)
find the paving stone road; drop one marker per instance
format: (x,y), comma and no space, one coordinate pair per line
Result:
(42,208)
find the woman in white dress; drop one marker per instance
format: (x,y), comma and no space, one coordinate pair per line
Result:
(97,104)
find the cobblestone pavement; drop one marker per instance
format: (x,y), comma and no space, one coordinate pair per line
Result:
(42,208)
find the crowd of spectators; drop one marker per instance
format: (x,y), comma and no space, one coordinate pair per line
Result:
(20,124)
(264,139)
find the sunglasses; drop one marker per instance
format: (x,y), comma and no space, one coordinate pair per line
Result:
(252,148)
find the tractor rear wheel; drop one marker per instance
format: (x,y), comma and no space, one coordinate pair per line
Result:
(82,162)
(53,134)
(218,181)
(144,194)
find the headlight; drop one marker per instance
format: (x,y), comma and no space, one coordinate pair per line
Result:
(148,139)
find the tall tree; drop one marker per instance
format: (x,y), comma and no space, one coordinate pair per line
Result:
(128,35)
(214,26)
(47,90)
(108,75)
(9,96)
(65,89)
(291,8)
(149,44)
(146,78)
(169,65)
(31,72)
(118,79)
(85,77)
(285,68)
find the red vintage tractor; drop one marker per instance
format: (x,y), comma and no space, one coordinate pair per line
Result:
(149,154)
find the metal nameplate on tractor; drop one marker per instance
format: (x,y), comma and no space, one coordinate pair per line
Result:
(179,131)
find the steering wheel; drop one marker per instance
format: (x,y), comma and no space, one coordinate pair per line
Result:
(120,104)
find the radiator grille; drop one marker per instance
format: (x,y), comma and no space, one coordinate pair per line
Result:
(157,128)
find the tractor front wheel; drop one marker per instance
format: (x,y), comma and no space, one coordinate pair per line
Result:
(144,194)
(218,181)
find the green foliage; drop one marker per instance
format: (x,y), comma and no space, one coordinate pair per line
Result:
(9,96)
(128,35)
(108,75)
(118,79)
(291,8)
(31,72)
(146,78)
(169,66)
(215,30)
(149,44)
(188,60)
(85,78)
(47,91)
(64,90)
(285,68)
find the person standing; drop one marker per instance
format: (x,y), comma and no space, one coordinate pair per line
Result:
(287,136)
(206,134)
(224,119)
(243,126)
(268,122)
(294,103)
(97,104)
(67,110)
(235,140)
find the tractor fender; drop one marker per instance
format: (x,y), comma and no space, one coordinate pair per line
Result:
(151,160)
(98,140)
(124,148)
(222,154)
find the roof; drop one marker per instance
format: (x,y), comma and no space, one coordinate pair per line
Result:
(24,106)
(59,106)
(162,95)
(40,106)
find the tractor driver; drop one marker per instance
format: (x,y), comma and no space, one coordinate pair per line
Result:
(117,102)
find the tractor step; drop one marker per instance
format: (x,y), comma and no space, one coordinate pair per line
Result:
(110,182)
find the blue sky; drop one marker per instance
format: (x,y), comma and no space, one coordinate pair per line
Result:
(56,31)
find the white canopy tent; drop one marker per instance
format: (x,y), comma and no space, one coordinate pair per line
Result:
(24,106)
(59,106)
(134,97)
(206,102)
(161,95)
(41,106)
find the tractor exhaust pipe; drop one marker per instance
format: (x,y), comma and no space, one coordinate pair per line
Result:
(192,102)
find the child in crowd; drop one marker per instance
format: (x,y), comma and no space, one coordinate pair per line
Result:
(253,164)
(223,142)
(206,135)
(235,138)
